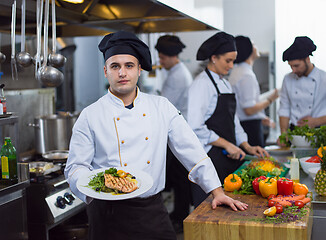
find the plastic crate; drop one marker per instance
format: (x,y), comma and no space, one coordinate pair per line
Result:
(304,152)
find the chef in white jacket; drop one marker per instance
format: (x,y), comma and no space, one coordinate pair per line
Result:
(130,129)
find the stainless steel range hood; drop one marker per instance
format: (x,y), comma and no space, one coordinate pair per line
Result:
(98,17)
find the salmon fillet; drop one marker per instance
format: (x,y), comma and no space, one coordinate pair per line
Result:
(120,184)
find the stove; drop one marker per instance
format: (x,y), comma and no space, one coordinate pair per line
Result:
(49,203)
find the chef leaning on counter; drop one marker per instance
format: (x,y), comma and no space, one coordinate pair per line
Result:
(211,110)
(128,128)
(303,95)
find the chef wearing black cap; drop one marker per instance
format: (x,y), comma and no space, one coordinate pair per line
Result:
(175,88)
(303,95)
(128,129)
(246,88)
(211,110)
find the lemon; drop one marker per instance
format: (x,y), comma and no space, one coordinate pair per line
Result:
(121,173)
(270,211)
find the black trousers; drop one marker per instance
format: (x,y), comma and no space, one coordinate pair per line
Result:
(255,132)
(133,219)
(177,179)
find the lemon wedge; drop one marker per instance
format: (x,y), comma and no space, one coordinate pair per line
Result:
(270,211)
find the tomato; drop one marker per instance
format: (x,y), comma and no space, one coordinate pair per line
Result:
(271,203)
(314,159)
(299,204)
(271,196)
(279,208)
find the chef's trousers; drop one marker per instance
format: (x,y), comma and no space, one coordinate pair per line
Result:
(132,219)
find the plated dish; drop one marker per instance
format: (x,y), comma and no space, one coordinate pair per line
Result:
(143,180)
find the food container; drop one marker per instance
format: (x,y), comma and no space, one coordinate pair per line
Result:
(300,141)
(307,165)
(304,152)
(313,171)
(42,168)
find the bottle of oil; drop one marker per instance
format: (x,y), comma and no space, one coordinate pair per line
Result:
(8,161)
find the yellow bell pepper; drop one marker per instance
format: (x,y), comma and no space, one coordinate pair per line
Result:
(232,182)
(268,186)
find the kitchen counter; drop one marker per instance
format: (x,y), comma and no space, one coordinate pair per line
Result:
(223,223)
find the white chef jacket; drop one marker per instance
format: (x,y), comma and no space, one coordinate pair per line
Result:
(106,134)
(246,88)
(304,96)
(175,87)
(202,100)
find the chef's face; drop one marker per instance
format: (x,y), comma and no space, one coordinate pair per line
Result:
(122,72)
(224,62)
(299,67)
(166,61)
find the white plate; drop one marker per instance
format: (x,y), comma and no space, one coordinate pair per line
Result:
(145,182)
(277,150)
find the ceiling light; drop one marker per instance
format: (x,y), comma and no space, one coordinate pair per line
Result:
(74,1)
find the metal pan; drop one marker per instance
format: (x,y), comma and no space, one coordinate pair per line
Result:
(56,155)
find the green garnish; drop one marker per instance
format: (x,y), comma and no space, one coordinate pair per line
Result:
(289,214)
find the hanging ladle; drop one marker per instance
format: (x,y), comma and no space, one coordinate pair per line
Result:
(55,59)
(13,63)
(23,58)
(48,75)
(38,59)
(2,56)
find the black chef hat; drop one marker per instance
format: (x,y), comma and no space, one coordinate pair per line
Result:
(123,42)
(302,47)
(244,48)
(169,45)
(219,43)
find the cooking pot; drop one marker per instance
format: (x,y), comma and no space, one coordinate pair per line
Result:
(53,132)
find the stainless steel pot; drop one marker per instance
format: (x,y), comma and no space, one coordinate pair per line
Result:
(53,132)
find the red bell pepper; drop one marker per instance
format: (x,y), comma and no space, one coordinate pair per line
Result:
(284,186)
(255,184)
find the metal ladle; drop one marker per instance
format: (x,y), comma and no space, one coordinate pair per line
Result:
(48,75)
(2,57)
(13,63)
(23,58)
(55,59)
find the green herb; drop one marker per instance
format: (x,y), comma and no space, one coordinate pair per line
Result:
(247,175)
(289,214)
(97,183)
(112,171)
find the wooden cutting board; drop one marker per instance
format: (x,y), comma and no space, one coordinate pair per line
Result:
(204,223)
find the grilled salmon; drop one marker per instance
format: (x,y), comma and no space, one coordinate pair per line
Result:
(121,184)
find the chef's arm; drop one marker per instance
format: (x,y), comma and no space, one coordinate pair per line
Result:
(261,105)
(284,124)
(312,122)
(220,198)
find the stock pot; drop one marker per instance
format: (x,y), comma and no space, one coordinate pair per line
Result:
(53,132)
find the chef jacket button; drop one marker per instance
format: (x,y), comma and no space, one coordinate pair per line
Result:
(296,118)
(144,114)
(148,162)
(296,92)
(125,164)
(122,142)
(309,107)
(297,105)
(118,119)
(311,94)
(146,138)
(313,80)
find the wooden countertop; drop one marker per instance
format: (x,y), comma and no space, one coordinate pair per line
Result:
(204,223)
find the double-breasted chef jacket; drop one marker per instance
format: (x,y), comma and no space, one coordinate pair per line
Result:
(304,96)
(106,134)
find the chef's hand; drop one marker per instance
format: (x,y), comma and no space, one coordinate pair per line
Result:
(220,198)
(235,152)
(310,121)
(255,150)
(281,144)
(268,122)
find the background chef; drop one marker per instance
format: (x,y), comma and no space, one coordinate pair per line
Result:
(303,95)
(128,128)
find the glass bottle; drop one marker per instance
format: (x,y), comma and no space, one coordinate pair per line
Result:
(8,161)
(3,98)
(294,170)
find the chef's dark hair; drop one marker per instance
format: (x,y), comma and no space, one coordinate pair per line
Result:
(122,42)
(244,48)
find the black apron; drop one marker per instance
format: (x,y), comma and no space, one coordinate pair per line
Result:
(132,219)
(222,123)
(255,132)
